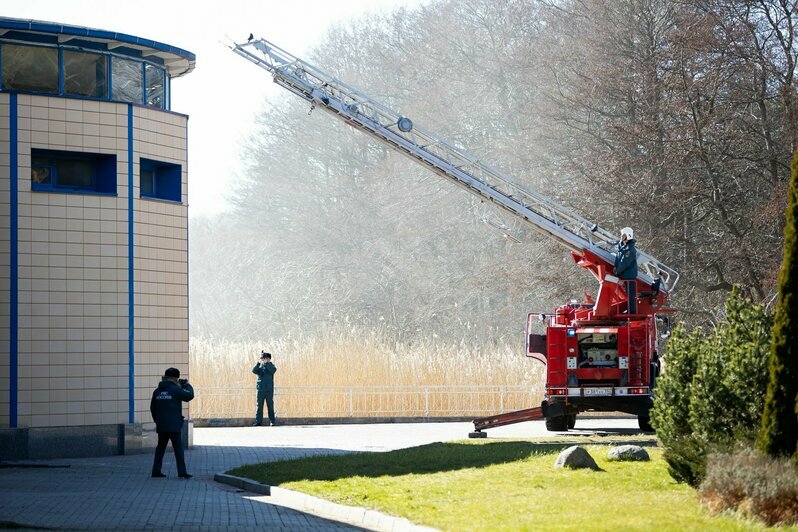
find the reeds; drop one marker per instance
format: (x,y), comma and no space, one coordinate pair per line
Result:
(455,376)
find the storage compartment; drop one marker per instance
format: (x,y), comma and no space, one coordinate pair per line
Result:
(598,350)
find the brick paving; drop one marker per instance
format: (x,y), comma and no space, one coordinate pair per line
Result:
(117,493)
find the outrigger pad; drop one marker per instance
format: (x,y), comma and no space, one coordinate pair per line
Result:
(478,434)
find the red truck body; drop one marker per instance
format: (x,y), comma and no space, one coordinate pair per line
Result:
(603,366)
(599,356)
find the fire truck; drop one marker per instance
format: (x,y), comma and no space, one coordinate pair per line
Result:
(600,354)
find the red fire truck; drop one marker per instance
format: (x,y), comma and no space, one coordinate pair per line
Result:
(602,353)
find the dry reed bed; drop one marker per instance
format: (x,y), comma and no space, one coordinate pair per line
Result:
(354,358)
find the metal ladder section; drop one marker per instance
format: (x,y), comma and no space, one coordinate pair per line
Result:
(386,125)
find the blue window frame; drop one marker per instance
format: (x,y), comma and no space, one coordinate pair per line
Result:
(72,172)
(160,180)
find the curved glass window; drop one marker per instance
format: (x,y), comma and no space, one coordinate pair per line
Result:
(85,74)
(127,80)
(30,68)
(155,85)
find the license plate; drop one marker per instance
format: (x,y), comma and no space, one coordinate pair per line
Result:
(597,391)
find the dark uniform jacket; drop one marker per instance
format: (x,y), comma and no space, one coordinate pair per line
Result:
(626,260)
(166,405)
(265,373)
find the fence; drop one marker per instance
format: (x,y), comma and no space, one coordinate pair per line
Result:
(368,401)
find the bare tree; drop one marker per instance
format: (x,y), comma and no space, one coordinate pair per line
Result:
(674,117)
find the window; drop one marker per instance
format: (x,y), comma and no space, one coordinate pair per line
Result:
(85,74)
(160,180)
(61,171)
(30,68)
(126,80)
(155,85)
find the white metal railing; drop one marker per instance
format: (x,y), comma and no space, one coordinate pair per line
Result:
(368,401)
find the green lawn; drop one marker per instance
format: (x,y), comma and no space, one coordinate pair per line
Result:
(504,485)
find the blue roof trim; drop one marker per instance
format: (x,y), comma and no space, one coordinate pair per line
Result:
(79,31)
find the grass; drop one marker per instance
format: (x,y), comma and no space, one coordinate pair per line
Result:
(506,485)
(356,358)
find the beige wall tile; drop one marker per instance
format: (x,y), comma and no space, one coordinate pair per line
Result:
(73,334)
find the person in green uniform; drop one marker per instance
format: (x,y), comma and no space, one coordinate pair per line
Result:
(265,371)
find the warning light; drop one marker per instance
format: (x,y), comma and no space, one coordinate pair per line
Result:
(571,332)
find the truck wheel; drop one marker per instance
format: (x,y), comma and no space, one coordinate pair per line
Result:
(571,421)
(557,424)
(644,422)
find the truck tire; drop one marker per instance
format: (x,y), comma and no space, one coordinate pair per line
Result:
(644,422)
(557,424)
(571,421)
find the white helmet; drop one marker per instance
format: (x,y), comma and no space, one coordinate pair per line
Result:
(628,232)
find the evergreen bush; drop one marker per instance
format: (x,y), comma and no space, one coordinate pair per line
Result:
(712,391)
(670,415)
(779,435)
(731,378)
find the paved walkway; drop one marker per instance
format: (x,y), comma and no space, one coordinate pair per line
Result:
(117,493)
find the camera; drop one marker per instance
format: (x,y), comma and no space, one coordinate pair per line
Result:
(182,382)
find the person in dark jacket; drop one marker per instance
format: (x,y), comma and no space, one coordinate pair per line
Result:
(166,408)
(265,370)
(626,266)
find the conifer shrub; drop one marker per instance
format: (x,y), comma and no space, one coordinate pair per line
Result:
(712,391)
(670,415)
(729,386)
(779,434)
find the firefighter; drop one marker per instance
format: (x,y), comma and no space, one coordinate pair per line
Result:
(626,266)
(166,408)
(265,371)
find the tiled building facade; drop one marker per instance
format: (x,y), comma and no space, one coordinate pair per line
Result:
(93,237)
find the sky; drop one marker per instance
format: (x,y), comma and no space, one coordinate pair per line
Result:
(224,92)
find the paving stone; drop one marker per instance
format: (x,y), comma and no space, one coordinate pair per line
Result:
(117,493)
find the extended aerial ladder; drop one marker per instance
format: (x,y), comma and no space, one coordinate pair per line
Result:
(591,246)
(583,237)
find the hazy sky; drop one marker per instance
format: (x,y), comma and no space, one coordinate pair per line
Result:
(224,91)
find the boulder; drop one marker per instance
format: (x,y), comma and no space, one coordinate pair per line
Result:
(575,457)
(628,453)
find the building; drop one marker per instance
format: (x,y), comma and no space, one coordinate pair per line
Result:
(93,237)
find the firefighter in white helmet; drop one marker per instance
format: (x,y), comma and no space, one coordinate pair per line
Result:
(626,266)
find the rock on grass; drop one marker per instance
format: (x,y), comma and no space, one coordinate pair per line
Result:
(575,457)
(628,453)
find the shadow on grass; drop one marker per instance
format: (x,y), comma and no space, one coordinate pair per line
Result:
(425,459)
